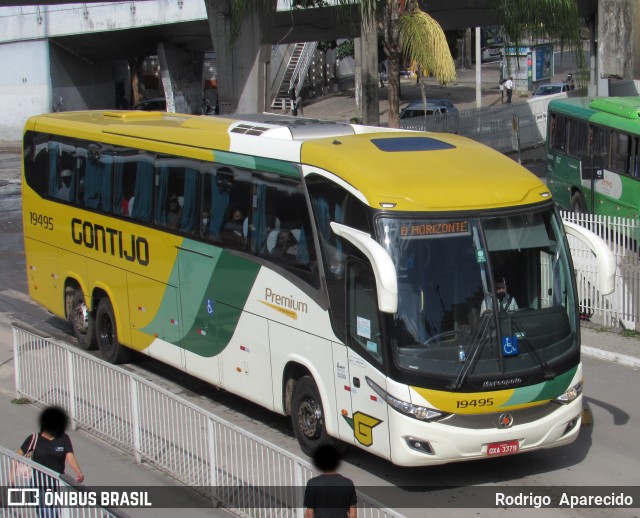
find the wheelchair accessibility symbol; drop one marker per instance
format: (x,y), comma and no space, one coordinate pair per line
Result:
(509,345)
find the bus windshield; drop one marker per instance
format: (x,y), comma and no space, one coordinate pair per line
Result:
(496,292)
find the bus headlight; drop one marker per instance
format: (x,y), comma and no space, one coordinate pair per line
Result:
(570,394)
(417,412)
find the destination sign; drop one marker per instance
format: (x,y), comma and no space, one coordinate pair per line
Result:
(434,229)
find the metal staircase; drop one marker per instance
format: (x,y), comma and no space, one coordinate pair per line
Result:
(294,74)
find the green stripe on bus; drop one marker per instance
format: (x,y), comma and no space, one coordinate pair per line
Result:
(257,163)
(542,391)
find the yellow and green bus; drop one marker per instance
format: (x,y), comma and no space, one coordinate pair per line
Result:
(593,155)
(340,274)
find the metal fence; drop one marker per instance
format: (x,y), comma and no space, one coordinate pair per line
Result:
(500,127)
(233,467)
(620,307)
(20,478)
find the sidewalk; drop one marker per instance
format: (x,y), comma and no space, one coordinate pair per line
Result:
(101,463)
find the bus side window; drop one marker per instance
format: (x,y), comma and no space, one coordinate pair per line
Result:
(578,138)
(62,167)
(176,198)
(599,144)
(620,152)
(36,161)
(559,132)
(281,227)
(94,178)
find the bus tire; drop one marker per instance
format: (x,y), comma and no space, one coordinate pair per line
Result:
(82,320)
(307,416)
(107,334)
(577,203)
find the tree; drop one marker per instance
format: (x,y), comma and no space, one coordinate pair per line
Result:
(411,35)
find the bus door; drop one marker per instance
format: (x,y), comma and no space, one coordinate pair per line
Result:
(369,412)
(199,342)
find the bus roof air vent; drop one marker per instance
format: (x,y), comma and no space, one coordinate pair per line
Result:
(627,107)
(410,144)
(133,115)
(249,129)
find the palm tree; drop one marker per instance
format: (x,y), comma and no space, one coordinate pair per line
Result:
(410,34)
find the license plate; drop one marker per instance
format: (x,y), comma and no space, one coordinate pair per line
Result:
(502,448)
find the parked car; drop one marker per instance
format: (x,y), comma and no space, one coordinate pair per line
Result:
(441,115)
(434,106)
(155,104)
(551,88)
(491,53)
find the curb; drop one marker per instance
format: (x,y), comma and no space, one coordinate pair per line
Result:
(622,359)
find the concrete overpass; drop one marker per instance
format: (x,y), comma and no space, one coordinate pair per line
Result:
(90,35)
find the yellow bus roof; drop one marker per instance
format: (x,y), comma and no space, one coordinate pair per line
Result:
(411,171)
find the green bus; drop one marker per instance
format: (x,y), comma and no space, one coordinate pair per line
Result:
(593,155)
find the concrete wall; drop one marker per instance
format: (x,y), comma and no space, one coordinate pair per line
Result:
(24,85)
(29,22)
(79,85)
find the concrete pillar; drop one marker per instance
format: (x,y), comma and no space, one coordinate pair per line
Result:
(369,70)
(618,41)
(243,66)
(181,75)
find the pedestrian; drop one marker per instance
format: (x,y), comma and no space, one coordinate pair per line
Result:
(294,101)
(501,85)
(329,495)
(52,446)
(508,86)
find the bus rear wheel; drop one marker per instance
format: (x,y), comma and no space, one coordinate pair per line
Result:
(577,203)
(307,417)
(107,334)
(81,319)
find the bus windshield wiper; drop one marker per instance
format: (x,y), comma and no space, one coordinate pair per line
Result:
(476,348)
(548,372)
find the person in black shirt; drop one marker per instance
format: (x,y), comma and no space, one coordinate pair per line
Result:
(53,447)
(329,495)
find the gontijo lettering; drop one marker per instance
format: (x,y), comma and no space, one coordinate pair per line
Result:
(110,241)
(433,229)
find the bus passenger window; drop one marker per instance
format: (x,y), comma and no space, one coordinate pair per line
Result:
(620,152)
(559,132)
(62,165)
(94,179)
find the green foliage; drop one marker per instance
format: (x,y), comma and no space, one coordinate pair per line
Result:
(345,49)
(423,41)
(541,19)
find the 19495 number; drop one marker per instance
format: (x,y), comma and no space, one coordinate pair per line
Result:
(466,403)
(43,221)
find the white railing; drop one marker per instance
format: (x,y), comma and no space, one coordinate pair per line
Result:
(620,307)
(233,467)
(22,490)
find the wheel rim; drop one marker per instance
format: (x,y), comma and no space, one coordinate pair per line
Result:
(310,418)
(106,332)
(80,318)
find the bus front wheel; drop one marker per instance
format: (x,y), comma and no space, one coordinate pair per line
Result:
(81,319)
(577,203)
(107,334)
(307,416)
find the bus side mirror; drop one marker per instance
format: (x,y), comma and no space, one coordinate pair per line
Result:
(383,267)
(606,262)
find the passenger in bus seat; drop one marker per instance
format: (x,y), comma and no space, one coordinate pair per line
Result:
(64,189)
(236,224)
(285,246)
(174,212)
(204,223)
